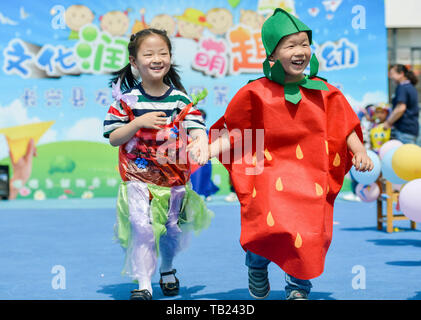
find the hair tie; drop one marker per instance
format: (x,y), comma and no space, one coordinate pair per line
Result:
(135,72)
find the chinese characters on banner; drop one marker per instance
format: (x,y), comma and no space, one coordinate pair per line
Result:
(242,51)
(54,97)
(95,52)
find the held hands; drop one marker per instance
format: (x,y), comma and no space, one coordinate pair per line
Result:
(362,161)
(151,120)
(199,149)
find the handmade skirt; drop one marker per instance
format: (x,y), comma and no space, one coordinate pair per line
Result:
(154,220)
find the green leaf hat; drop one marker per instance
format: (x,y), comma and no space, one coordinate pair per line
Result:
(278,26)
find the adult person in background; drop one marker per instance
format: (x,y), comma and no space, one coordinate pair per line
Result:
(404,116)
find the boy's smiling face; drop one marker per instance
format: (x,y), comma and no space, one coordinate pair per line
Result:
(294,53)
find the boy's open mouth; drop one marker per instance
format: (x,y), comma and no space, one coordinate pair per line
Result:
(297,62)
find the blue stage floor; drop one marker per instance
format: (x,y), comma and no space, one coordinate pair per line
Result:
(78,236)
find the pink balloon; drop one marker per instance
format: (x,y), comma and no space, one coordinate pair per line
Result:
(367,193)
(409,200)
(388,146)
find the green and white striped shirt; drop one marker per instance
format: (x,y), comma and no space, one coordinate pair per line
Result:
(172,102)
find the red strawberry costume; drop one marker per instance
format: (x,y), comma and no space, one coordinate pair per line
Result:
(287,209)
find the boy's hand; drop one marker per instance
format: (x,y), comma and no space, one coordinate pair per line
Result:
(362,162)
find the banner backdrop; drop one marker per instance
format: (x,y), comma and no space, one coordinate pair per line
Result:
(56,59)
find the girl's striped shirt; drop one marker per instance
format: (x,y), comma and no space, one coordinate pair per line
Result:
(172,102)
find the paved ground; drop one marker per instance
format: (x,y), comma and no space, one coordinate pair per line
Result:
(41,240)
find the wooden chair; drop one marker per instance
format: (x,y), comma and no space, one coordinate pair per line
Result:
(390,196)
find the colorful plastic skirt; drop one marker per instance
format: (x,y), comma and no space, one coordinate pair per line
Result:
(154,220)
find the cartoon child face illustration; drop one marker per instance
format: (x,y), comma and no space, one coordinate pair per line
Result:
(220,19)
(164,22)
(190,30)
(252,19)
(77,16)
(192,23)
(115,22)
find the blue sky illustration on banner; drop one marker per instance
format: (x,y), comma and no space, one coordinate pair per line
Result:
(56,56)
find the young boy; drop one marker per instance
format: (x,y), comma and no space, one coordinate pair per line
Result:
(311,138)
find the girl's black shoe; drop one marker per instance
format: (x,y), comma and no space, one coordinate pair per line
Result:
(141,295)
(169,288)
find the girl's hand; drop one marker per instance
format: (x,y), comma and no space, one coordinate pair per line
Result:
(151,120)
(362,162)
(199,149)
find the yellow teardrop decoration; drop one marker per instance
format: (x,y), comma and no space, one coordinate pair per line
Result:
(279,185)
(337,160)
(327,147)
(269,220)
(299,152)
(254,159)
(268,155)
(327,189)
(298,241)
(319,190)
(254,193)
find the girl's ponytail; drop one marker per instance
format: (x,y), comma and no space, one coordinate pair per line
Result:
(173,78)
(126,78)
(411,77)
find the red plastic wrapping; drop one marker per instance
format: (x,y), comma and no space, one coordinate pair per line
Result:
(156,156)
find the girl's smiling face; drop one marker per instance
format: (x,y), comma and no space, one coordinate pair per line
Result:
(153,59)
(294,53)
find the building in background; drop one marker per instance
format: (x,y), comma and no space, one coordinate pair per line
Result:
(403,23)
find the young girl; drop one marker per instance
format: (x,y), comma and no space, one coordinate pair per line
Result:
(155,205)
(288,176)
